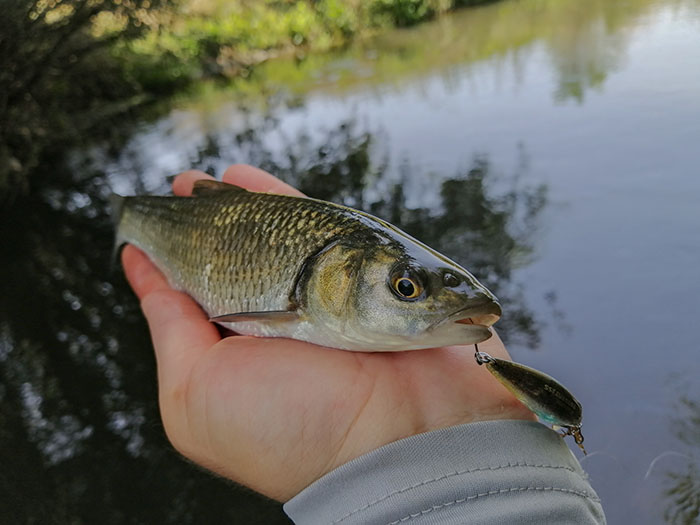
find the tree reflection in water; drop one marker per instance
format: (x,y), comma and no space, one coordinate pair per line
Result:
(684,493)
(80,435)
(490,232)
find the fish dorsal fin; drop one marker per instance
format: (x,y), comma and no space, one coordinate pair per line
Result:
(208,186)
(279,316)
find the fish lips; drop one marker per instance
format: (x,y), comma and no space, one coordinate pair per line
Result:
(476,319)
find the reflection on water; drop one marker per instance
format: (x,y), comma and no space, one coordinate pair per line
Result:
(584,42)
(80,435)
(683,495)
(595,214)
(76,365)
(490,231)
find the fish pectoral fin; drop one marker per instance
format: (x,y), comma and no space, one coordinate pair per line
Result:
(274,316)
(207,186)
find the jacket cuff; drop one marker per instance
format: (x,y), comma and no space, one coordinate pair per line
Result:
(489,472)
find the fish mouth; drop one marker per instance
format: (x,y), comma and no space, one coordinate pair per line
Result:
(484,314)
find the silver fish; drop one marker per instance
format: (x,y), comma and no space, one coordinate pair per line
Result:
(281,266)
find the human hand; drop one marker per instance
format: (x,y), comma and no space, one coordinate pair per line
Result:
(277,414)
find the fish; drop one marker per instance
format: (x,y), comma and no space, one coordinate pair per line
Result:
(546,397)
(271,265)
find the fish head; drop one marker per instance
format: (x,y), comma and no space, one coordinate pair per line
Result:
(390,298)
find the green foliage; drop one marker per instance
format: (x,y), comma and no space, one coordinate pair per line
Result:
(337,18)
(73,68)
(224,38)
(58,81)
(404,12)
(229,38)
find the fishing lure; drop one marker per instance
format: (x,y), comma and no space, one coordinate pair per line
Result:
(544,395)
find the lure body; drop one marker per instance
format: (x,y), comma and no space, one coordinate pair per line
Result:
(541,393)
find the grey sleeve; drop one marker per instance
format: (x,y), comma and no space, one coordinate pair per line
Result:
(490,472)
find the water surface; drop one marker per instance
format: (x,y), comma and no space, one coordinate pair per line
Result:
(552,147)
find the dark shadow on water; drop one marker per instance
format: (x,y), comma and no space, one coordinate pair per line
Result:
(80,434)
(477,227)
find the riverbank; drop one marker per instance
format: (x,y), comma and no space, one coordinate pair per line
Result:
(216,38)
(73,71)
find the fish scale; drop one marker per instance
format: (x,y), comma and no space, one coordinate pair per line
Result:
(248,251)
(283,266)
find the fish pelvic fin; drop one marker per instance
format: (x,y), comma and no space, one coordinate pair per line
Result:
(274,316)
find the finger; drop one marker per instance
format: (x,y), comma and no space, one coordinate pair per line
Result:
(180,330)
(141,273)
(181,334)
(256,179)
(183,183)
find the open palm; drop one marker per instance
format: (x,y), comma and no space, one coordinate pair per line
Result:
(277,414)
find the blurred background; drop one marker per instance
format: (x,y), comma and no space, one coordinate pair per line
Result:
(550,146)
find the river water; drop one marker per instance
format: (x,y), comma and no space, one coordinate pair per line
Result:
(553,147)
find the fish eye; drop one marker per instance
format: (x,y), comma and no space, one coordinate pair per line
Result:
(406,286)
(450,280)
